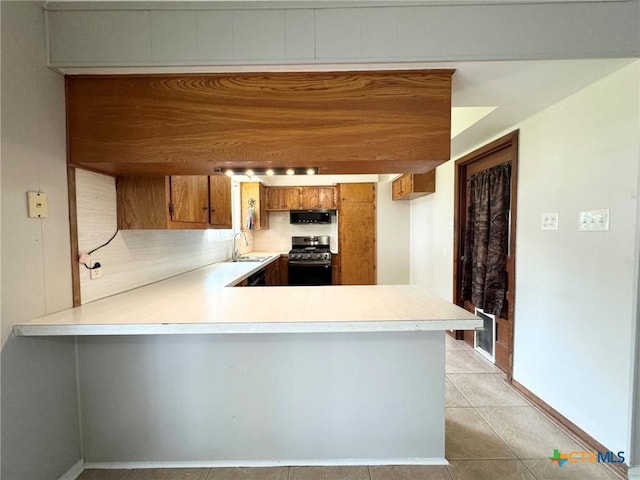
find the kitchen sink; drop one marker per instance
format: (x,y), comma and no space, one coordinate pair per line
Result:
(249,259)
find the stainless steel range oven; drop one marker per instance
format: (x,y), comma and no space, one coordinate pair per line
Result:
(310,261)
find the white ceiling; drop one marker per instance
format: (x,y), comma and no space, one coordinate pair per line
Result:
(518,90)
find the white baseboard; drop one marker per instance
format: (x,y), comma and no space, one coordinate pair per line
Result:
(269,463)
(74,472)
(634,473)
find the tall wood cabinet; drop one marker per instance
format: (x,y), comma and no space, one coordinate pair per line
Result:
(253,197)
(176,202)
(357,233)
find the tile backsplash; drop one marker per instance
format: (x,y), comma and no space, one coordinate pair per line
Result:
(278,237)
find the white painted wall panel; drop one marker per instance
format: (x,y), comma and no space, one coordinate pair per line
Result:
(380,33)
(300,34)
(39,402)
(263,397)
(215,34)
(174,35)
(100,37)
(338,33)
(353,35)
(425,32)
(258,34)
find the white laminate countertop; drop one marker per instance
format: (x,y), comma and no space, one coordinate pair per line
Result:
(199,302)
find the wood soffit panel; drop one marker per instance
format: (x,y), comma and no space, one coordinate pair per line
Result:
(340,122)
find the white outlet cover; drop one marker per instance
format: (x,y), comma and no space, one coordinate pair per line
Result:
(593,220)
(549,221)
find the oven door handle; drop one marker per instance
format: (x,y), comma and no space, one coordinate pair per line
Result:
(311,263)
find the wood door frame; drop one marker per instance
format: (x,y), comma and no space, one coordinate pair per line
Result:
(475,158)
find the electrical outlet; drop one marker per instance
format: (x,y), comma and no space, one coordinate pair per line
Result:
(95,269)
(594,220)
(549,221)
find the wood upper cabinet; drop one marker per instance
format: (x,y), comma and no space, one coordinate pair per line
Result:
(162,202)
(220,201)
(410,186)
(253,201)
(357,233)
(283,198)
(301,198)
(189,198)
(318,198)
(176,202)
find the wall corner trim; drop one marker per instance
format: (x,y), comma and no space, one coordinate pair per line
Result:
(74,472)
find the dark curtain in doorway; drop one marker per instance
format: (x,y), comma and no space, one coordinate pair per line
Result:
(486,238)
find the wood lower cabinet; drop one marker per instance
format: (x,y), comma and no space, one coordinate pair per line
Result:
(253,199)
(283,265)
(272,274)
(176,202)
(414,185)
(357,233)
(220,201)
(335,269)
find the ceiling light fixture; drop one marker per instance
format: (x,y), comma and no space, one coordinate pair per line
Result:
(273,171)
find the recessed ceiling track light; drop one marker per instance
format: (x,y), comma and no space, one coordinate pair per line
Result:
(272,171)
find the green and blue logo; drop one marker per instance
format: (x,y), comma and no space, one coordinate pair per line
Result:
(584,456)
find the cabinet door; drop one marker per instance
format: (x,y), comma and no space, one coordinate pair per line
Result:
(142,202)
(253,193)
(318,197)
(189,198)
(279,198)
(396,189)
(357,234)
(220,201)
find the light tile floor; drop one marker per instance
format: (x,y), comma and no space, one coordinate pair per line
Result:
(492,433)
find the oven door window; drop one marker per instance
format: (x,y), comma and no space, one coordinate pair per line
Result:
(309,274)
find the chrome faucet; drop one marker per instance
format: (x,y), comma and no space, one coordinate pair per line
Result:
(235,254)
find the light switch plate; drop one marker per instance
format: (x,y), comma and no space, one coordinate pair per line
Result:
(549,221)
(38,205)
(594,220)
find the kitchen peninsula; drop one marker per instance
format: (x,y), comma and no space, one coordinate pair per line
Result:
(327,375)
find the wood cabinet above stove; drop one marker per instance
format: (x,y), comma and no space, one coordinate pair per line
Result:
(340,122)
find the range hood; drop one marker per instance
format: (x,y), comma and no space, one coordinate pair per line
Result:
(306,217)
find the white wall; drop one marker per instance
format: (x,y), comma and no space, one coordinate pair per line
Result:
(392,241)
(135,257)
(431,227)
(575,291)
(40,431)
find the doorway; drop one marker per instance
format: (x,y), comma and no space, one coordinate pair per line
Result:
(501,154)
